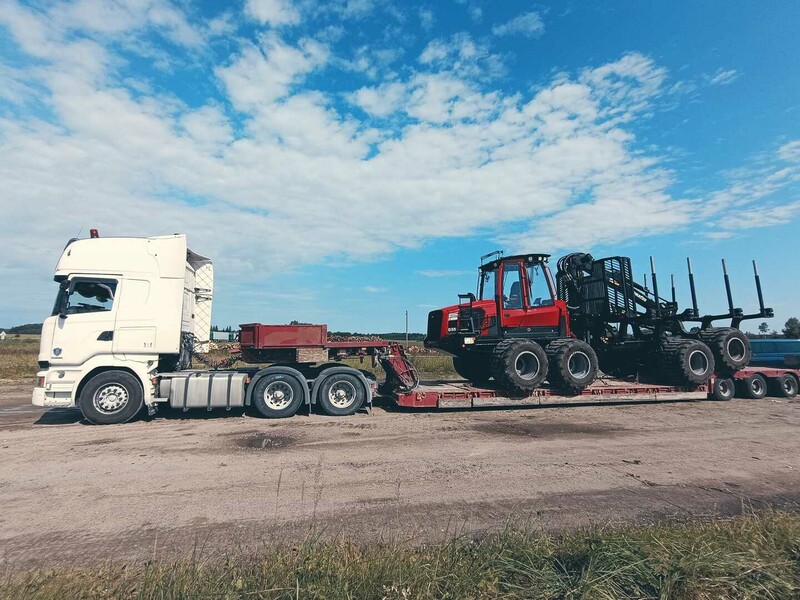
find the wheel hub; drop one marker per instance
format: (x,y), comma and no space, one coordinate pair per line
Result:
(698,362)
(278,395)
(110,398)
(527,365)
(342,394)
(579,365)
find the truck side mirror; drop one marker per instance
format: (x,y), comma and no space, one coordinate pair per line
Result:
(62,299)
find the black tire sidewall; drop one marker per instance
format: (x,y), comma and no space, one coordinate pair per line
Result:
(779,389)
(124,379)
(748,387)
(335,411)
(288,411)
(509,376)
(717,393)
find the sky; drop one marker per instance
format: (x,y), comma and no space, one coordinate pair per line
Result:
(343,162)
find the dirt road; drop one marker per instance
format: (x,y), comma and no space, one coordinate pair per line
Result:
(75,492)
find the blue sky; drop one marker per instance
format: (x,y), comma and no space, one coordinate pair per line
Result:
(345,161)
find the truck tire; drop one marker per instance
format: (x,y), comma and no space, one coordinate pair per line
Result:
(341,394)
(754,386)
(724,389)
(278,395)
(573,365)
(686,363)
(519,365)
(730,346)
(784,386)
(111,397)
(473,367)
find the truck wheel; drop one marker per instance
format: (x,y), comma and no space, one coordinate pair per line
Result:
(277,395)
(723,389)
(686,362)
(753,387)
(519,365)
(111,397)
(473,368)
(573,365)
(784,386)
(730,346)
(341,394)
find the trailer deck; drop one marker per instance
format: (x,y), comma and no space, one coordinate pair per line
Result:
(461,394)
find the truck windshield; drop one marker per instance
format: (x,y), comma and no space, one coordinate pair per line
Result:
(86,295)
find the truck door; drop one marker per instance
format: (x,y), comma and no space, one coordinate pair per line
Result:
(84,320)
(527,305)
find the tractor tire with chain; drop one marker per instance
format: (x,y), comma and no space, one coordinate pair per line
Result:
(685,362)
(473,367)
(730,346)
(573,365)
(519,365)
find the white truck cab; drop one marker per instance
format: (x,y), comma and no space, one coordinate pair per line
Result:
(123,306)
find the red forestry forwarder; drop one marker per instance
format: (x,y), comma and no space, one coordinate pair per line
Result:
(524,328)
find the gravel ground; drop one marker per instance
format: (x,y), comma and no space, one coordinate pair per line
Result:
(72,492)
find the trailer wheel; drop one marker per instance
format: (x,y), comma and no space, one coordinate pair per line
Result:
(573,365)
(341,394)
(686,362)
(784,386)
(724,389)
(473,367)
(111,397)
(730,346)
(519,365)
(754,386)
(277,395)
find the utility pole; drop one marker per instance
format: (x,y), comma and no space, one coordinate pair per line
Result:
(406,329)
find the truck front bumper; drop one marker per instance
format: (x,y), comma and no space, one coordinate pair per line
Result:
(50,399)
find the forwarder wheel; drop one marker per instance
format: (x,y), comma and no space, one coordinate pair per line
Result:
(519,365)
(111,397)
(724,389)
(685,362)
(754,386)
(473,367)
(277,395)
(730,346)
(573,365)
(784,386)
(341,394)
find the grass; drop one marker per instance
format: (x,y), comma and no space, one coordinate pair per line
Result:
(755,556)
(18,357)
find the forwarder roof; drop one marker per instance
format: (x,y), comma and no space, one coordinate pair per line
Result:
(532,257)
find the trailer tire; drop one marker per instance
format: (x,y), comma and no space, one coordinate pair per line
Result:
(111,397)
(723,389)
(573,365)
(685,362)
(519,365)
(754,386)
(341,394)
(475,368)
(730,346)
(784,386)
(278,395)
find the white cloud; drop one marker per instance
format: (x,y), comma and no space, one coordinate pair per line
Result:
(426,18)
(462,55)
(381,100)
(528,24)
(265,72)
(723,77)
(272,12)
(790,152)
(371,289)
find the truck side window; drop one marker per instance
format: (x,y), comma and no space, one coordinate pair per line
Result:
(512,287)
(90,295)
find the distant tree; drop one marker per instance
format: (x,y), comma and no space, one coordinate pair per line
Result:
(792,328)
(763,328)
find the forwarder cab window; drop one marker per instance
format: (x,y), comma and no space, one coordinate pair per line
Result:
(512,287)
(90,295)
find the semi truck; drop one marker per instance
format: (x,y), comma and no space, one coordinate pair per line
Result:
(129,332)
